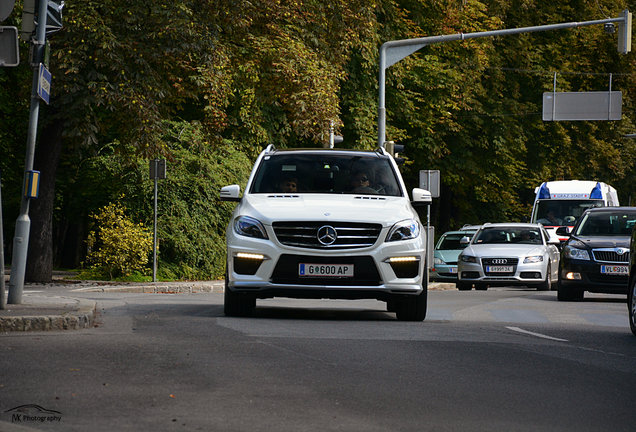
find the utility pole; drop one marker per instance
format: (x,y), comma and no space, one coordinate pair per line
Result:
(393,51)
(23,223)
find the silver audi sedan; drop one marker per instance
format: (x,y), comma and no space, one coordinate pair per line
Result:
(507,254)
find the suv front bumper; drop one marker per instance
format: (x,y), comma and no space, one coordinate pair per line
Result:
(267,269)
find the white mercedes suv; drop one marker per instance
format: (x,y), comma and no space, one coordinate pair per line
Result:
(325,223)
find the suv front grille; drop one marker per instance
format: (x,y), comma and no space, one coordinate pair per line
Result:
(610,255)
(348,234)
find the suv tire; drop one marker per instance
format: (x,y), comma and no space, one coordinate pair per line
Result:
(237,304)
(411,308)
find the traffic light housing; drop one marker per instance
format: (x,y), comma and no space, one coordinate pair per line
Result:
(625,33)
(394,150)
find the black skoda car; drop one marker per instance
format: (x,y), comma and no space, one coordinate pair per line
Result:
(595,258)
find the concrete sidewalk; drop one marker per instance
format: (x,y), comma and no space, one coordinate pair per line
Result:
(42,312)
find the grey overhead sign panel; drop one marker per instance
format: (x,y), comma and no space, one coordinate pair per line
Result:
(564,106)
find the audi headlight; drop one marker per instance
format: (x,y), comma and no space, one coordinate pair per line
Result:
(468,259)
(574,253)
(533,259)
(249,227)
(404,230)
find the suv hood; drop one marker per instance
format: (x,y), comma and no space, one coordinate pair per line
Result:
(269,208)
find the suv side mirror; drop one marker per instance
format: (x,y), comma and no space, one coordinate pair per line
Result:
(421,197)
(230,193)
(464,241)
(563,231)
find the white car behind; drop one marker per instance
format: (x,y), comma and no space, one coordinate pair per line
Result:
(509,254)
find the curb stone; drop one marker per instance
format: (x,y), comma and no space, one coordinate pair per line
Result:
(80,316)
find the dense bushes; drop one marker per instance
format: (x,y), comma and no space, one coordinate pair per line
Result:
(117,246)
(191,219)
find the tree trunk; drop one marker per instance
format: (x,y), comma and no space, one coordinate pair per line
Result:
(39,266)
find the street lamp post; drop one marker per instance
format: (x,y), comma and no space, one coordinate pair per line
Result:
(393,51)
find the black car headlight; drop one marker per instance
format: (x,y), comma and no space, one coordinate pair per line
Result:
(575,253)
(249,227)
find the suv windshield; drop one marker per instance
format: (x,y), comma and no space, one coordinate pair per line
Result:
(326,172)
(499,235)
(606,224)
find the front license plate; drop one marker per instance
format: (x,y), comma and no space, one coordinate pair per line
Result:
(325,270)
(453,269)
(499,269)
(616,269)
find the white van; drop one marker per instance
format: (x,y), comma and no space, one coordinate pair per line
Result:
(561,203)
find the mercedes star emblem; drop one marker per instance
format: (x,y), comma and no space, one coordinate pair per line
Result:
(327,235)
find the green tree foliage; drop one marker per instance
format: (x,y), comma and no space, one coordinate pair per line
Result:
(207,84)
(117,246)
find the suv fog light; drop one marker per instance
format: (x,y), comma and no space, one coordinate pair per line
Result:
(247,263)
(405,266)
(573,276)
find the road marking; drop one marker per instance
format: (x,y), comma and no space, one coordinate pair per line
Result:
(520,330)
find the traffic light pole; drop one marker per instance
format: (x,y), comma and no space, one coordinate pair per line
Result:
(23,223)
(393,51)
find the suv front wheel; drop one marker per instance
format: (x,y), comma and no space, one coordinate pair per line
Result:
(237,304)
(411,308)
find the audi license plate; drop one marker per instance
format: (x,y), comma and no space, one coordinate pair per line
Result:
(499,269)
(614,269)
(325,270)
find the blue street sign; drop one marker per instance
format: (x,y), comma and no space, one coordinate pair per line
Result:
(44,83)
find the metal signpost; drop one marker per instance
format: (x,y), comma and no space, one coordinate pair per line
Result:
(157,171)
(23,223)
(430,180)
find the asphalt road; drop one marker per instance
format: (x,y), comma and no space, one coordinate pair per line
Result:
(500,360)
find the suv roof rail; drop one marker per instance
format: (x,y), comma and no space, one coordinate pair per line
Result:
(270,148)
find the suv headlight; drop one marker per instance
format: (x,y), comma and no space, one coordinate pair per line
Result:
(574,253)
(404,230)
(249,227)
(468,259)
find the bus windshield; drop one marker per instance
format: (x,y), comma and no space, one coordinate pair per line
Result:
(552,212)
